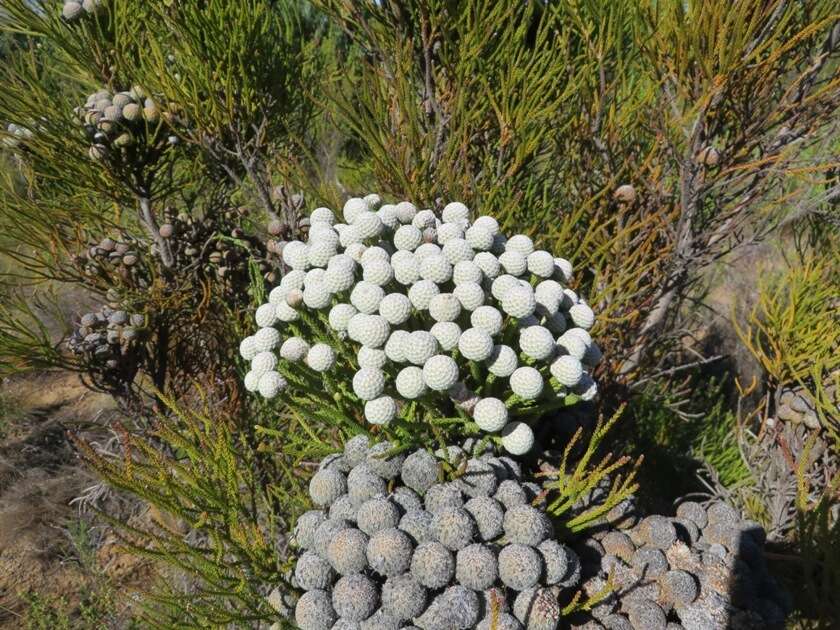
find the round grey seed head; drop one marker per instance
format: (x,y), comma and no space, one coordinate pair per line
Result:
(403,597)
(389,552)
(475,567)
(387,467)
(306,526)
(326,486)
(355,597)
(443,496)
(377,514)
(520,566)
(527,525)
(313,572)
(346,551)
(488,515)
(420,471)
(454,528)
(432,565)
(510,494)
(355,450)
(314,611)
(364,484)
(418,526)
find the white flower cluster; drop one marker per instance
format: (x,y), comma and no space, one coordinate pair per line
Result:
(439,308)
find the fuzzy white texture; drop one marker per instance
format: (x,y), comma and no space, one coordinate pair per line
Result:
(380,410)
(294,349)
(567,370)
(447,335)
(475,344)
(517,438)
(409,382)
(444,307)
(488,319)
(470,295)
(490,414)
(369,383)
(537,342)
(340,315)
(421,293)
(320,357)
(440,372)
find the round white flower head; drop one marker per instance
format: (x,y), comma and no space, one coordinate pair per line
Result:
(517,438)
(466,271)
(371,358)
(369,383)
(567,370)
(374,332)
(440,373)
(395,346)
(355,251)
(444,307)
(570,298)
(582,315)
(406,211)
(368,225)
(470,295)
(388,215)
(490,414)
(488,223)
(421,293)
(343,261)
(338,278)
(502,284)
(503,361)
(409,382)
(278,294)
(406,269)
(352,208)
(419,347)
(436,268)
(351,235)
(488,319)
(457,250)
(380,410)
(564,269)
(520,243)
(286,313)
(266,315)
(475,344)
(526,382)
(479,238)
(426,250)
(447,335)
(377,272)
(366,297)
(373,201)
(424,219)
(340,315)
(488,264)
(519,301)
(455,212)
(375,253)
(513,263)
(248,348)
(572,344)
(322,215)
(320,357)
(541,263)
(313,277)
(271,384)
(448,231)
(356,326)
(407,238)
(263,362)
(319,253)
(582,334)
(252,381)
(266,339)
(537,342)
(294,349)
(317,296)
(395,308)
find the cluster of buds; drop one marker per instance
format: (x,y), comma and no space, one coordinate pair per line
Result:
(444,312)
(395,542)
(15,134)
(75,10)
(126,126)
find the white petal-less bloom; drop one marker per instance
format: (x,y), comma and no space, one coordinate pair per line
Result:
(355,250)
(340,315)
(436,269)
(444,307)
(448,231)
(537,342)
(271,384)
(488,223)
(526,382)
(319,254)
(567,370)
(549,290)
(424,219)
(294,298)
(455,212)
(572,345)
(520,243)
(322,215)
(388,215)
(252,382)
(466,271)
(447,335)
(313,276)
(320,357)
(456,250)
(490,414)
(368,225)
(373,358)
(501,285)
(380,410)
(366,297)
(470,295)
(407,238)
(502,361)
(475,344)
(513,263)
(248,348)
(395,346)
(266,339)
(374,332)
(541,263)
(266,315)
(488,319)
(286,313)
(369,383)
(278,295)
(395,308)
(421,293)
(294,349)
(406,270)
(489,264)
(295,255)
(519,301)
(564,269)
(582,315)
(353,207)
(263,362)
(570,298)
(349,236)
(440,372)
(342,261)
(406,211)
(375,253)
(420,347)
(356,326)
(323,233)
(479,238)
(317,296)
(426,250)
(377,272)
(338,278)
(517,438)
(409,382)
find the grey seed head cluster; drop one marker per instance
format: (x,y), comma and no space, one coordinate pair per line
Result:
(425,300)
(434,555)
(702,569)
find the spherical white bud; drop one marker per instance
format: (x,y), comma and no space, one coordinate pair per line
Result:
(564,269)
(447,335)
(541,263)
(388,215)
(271,384)
(526,382)
(286,313)
(424,219)
(252,381)
(426,250)
(373,201)
(366,297)
(248,348)
(421,293)
(475,344)
(320,357)
(420,347)
(406,270)
(582,315)
(470,295)
(395,308)
(407,238)
(519,301)
(455,212)
(503,361)
(488,264)
(375,331)
(352,208)
(466,271)
(409,382)
(567,370)
(380,410)
(479,238)
(278,295)
(319,254)
(313,276)
(488,319)
(395,346)
(501,285)
(457,250)
(263,362)
(513,263)
(377,272)
(444,307)
(293,280)
(373,358)
(266,315)
(322,215)
(317,296)
(369,383)
(294,349)
(338,278)
(436,268)
(448,231)
(517,438)
(406,211)
(368,225)
(295,255)
(572,344)
(340,315)
(488,223)
(266,339)
(440,372)
(537,342)
(520,243)
(490,414)
(355,250)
